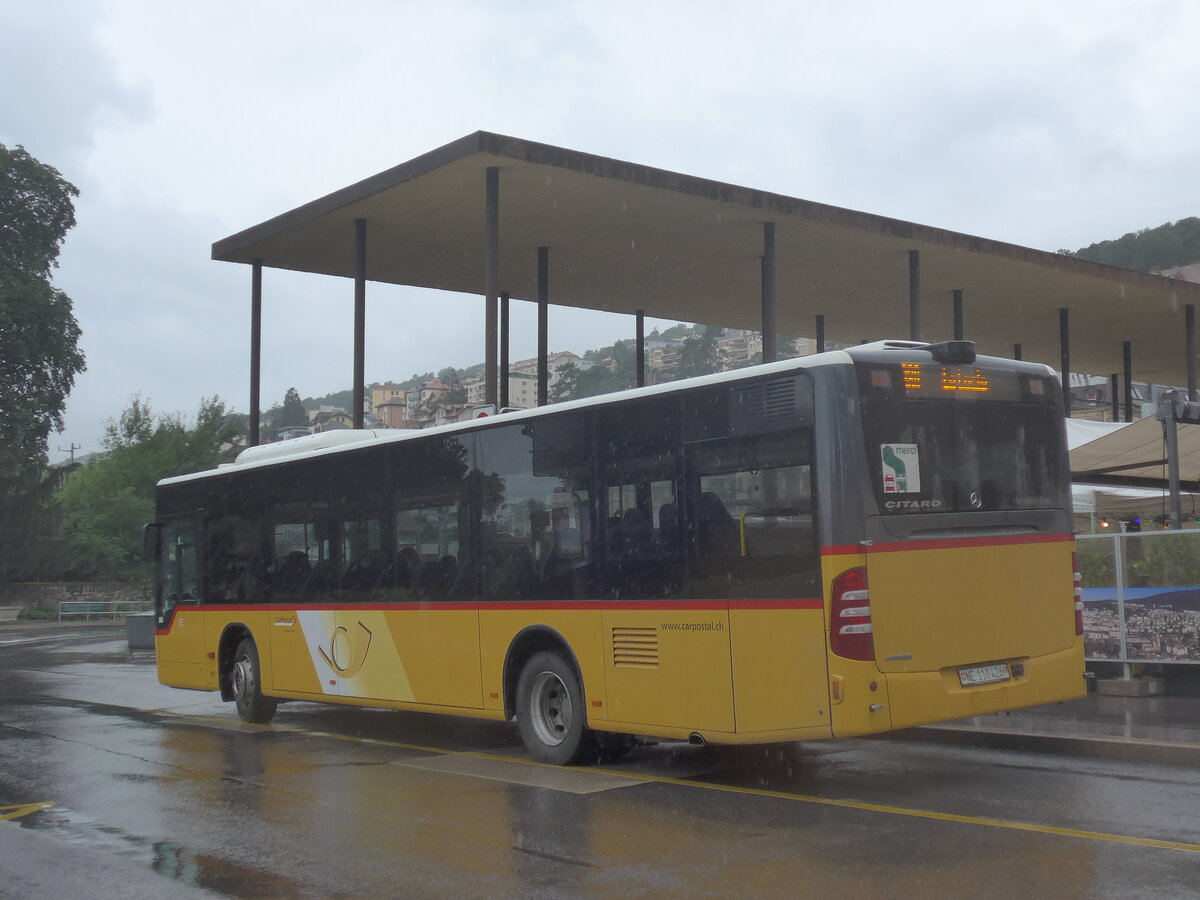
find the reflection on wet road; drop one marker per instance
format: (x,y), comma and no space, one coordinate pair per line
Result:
(352,803)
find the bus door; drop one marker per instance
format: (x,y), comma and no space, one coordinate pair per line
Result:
(177,591)
(669,660)
(414,637)
(666,656)
(300,579)
(752,540)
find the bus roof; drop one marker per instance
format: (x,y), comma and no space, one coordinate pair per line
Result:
(341,441)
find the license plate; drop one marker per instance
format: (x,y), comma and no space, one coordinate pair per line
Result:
(983,674)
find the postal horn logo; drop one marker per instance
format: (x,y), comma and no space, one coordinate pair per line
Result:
(347,649)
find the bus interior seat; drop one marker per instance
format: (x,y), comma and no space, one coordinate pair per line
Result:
(668,525)
(363,574)
(512,573)
(637,537)
(431,582)
(322,580)
(290,575)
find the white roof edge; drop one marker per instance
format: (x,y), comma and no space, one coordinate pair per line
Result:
(304,443)
(358,437)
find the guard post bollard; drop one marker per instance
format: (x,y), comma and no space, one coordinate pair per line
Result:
(139,630)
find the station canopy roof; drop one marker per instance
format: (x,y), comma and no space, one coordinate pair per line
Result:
(624,237)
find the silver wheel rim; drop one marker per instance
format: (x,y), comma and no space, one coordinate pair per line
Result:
(550,709)
(243,679)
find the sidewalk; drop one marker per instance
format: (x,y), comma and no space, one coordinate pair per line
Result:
(1166,728)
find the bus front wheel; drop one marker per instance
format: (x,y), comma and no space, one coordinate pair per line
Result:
(246,682)
(550,711)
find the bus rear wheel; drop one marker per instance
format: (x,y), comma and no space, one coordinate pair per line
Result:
(246,683)
(550,712)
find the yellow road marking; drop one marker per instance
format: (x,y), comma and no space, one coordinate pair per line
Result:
(21,809)
(1008,824)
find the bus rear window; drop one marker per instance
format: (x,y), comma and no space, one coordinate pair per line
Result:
(948,456)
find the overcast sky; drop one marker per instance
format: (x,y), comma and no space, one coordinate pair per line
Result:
(1046,124)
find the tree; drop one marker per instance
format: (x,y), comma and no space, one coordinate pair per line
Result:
(698,354)
(105,503)
(39,343)
(293,411)
(566,387)
(616,374)
(1168,245)
(452,378)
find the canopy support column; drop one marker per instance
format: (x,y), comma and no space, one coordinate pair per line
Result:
(503,349)
(820,334)
(360,318)
(1016,351)
(491,279)
(640,320)
(769,317)
(1127,355)
(1114,388)
(914,294)
(255,350)
(543,336)
(1189,326)
(1064,344)
(958,316)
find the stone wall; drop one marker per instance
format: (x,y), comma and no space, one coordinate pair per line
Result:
(47,595)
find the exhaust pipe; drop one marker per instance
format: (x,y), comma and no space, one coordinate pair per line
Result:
(696,739)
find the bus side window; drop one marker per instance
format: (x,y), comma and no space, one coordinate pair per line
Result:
(362,549)
(303,568)
(638,449)
(751,532)
(536,516)
(425,563)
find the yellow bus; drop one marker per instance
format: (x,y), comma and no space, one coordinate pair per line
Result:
(843,544)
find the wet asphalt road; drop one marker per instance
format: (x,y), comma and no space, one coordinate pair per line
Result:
(117,786)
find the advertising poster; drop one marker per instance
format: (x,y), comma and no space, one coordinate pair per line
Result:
(1161,624)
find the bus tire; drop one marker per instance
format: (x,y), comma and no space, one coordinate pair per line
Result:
(550,712)
(245,681)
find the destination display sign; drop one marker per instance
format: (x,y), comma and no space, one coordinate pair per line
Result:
(910,380)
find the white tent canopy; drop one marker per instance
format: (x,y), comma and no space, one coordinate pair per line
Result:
(1101,446)
(1123,502)
(1133,449)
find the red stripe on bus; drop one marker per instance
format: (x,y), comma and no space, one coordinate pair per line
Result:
(766,603)
(772,603)
(797,603)
(1005,540)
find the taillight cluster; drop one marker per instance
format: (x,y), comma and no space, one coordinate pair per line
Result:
(850,616)
(1078,594)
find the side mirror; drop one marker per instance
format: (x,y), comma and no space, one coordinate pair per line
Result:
(151,539)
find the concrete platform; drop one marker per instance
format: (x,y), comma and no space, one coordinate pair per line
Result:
(1131,687)
(1162,728)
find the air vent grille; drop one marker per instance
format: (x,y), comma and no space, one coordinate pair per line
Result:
(766,406)
(635,647)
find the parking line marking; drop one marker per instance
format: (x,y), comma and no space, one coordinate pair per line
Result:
(22,809)
(570,779)
(957,818)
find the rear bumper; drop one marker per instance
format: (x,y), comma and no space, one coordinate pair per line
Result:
(924,697)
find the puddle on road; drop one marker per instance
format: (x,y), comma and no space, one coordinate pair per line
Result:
(169,859)
(221,875)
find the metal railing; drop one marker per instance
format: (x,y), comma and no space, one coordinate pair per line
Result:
(112,609)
